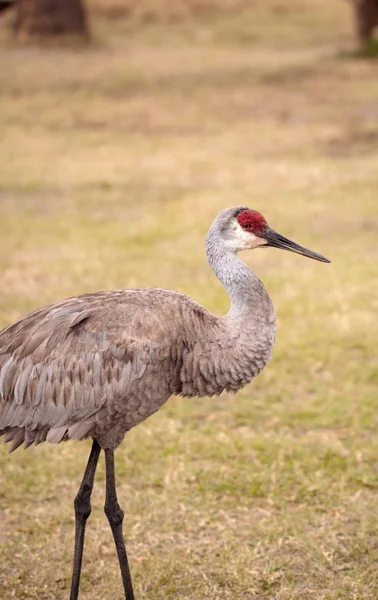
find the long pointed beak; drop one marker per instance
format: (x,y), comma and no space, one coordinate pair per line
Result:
(276,240)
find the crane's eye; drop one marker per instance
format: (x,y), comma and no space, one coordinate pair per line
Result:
(248,226)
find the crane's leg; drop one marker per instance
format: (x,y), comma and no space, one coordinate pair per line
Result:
(83,509)
(115,517)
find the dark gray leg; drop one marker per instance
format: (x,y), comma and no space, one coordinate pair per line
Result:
(82,505)
(115,517)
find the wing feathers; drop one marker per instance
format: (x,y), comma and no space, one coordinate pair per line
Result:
(6,377)
(56,434)
(17,440)
(61,392)
(79,430)
(65,367)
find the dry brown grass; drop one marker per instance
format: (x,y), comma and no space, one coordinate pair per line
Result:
(113,161)
(165,11)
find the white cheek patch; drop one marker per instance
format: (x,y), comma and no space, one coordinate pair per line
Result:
(247,239)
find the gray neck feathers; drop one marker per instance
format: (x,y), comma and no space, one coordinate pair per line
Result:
(249,298)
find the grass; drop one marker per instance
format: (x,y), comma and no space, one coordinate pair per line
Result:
(114,159)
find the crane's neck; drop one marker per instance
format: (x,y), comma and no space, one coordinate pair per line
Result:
(227,352)
(249,298)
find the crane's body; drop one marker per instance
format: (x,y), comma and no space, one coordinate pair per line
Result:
(98,364)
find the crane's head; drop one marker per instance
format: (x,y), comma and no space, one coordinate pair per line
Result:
(242,228)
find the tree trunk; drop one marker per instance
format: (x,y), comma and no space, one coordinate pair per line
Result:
(366,12)
(4,4)
(50,18)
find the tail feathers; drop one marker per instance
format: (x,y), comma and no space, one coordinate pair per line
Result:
(17,440)
(13,435)
(17,436)
(8,437)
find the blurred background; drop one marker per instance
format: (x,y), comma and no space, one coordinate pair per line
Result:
(125,127)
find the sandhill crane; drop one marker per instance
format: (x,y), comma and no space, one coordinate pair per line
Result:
(96,365)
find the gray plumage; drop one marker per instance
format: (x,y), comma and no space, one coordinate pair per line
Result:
(98,364)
